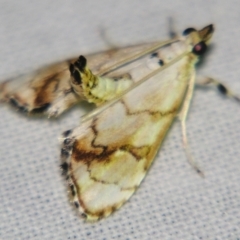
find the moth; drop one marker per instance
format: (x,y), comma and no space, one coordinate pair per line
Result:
(138,91)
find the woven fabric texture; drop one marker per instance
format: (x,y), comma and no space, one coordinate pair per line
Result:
(173,202)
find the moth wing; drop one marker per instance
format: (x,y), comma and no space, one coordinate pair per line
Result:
(107,156)
(41,90)
(49,89)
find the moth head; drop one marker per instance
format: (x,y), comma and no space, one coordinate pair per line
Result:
(199,39)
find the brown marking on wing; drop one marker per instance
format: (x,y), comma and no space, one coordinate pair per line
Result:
(45,89)
(138,152)
(132,189)
(97,215)
(154,114)
(81,153)
(87,151)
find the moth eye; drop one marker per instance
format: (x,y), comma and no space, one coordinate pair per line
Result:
(200,48)
(188,31)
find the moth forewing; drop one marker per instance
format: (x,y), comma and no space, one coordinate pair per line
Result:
(108,155)
(51,89)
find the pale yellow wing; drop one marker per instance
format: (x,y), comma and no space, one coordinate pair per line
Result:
(107,156)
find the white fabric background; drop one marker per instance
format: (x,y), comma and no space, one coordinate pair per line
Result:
(173,202)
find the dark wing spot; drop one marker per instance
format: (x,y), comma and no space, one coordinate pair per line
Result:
(76,204)
(67,141)
(160,62)
(13,102)
(67,133)
(155,54)
(41,109)
(64,153)
(64,168)
(72,190)
(222,89)
(84,215)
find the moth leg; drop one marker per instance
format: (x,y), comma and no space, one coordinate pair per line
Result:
(62,103)
(182,116)
(208,81)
